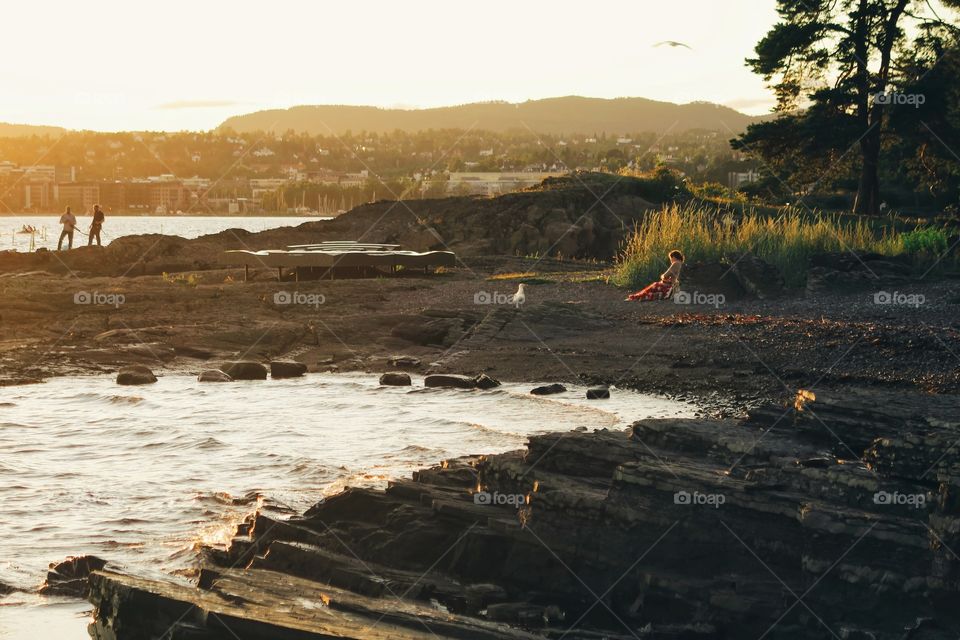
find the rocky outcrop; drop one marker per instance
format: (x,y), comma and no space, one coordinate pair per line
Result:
(244,370)
(776,526)
(135,375)
(70,577)
(287,369)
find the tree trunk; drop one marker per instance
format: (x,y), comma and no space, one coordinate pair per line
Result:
(868,191)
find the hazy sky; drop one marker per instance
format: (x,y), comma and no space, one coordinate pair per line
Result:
(177,64)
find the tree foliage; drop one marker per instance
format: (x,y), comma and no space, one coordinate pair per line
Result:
(859,83)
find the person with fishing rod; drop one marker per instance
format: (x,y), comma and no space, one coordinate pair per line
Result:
(96,225)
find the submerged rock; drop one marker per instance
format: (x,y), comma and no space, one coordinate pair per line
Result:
(135,374)
(244,370)
(213,375)
(287,369)
(396,379)
(598,393)
(548,389)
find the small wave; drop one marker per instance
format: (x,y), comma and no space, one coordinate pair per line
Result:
(210,443)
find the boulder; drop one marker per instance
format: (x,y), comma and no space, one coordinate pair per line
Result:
(395,379)
(287,369)
(598,393)
(711,278)
(6,589)
(548,389)
(244,370)
(213,375)
(69,578)
(404,362)
(450,381)
(756,276)
(483,381)
(136,374)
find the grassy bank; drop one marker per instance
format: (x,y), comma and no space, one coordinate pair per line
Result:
(786,240)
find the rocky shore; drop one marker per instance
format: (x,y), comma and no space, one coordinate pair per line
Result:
(835,516)
(828,512)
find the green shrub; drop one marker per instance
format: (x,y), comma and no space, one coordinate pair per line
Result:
(929,241)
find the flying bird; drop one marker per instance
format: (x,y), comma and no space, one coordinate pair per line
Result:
(519,297)
(673,43)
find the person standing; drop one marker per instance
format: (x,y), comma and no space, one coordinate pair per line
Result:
(96,225)
(69,222)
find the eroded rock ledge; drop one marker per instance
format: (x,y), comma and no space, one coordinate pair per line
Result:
(835,517)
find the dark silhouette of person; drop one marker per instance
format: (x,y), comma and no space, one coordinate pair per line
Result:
(96,225)
(69,222)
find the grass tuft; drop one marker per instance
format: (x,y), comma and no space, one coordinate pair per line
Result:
(787,240)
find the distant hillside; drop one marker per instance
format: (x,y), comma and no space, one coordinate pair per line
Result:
(571,114)
(24,130)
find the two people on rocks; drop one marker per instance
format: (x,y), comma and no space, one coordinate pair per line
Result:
(69,222)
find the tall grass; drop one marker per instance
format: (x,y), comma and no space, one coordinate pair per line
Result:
(786,240)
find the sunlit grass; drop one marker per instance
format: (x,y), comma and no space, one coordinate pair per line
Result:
(787,240)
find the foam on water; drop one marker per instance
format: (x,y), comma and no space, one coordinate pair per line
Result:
(142,475)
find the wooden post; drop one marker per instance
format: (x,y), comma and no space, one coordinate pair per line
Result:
(246,272)
(279,274)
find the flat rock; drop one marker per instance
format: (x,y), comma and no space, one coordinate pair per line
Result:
(135,374)
(548,389)
(213,375)
(244,370)
(396,379)
(450,380)
(287,369)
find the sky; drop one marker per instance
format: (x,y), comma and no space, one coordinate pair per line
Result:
(187,65)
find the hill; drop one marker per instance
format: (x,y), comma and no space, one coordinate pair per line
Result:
(571,114)
(25,130)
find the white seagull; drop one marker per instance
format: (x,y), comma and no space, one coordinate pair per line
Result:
(519,297)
